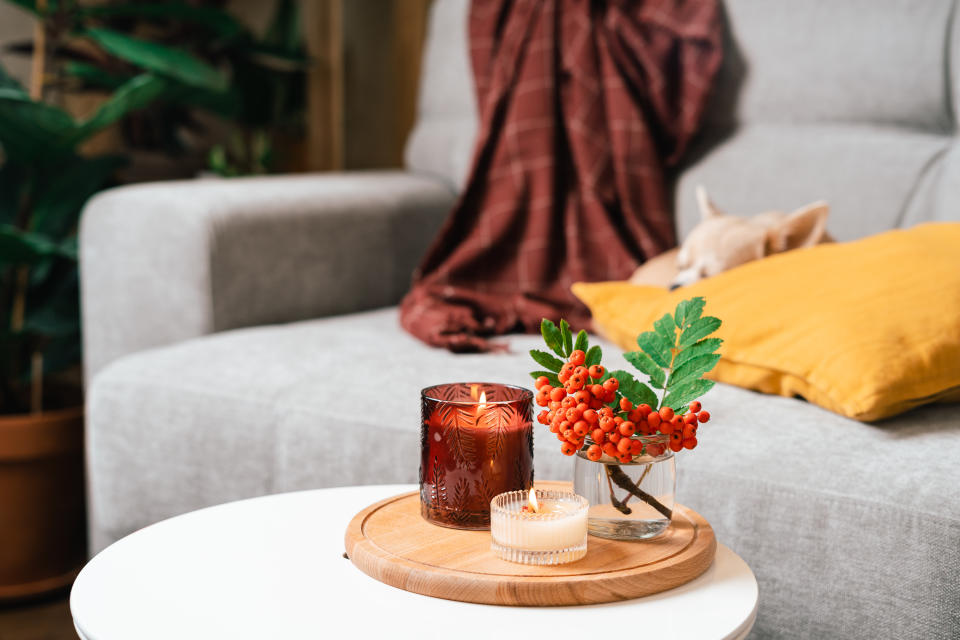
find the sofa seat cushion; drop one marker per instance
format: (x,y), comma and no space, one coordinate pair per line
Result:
(844,523)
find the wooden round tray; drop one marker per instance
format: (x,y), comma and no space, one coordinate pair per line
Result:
(391,542)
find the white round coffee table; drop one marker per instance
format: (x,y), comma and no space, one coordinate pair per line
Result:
(273,567)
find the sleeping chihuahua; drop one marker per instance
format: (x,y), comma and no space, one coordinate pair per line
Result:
(720,242)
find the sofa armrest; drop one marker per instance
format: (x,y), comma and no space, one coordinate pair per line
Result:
(165,262)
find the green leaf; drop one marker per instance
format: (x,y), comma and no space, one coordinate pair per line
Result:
(52,320)
(644,364)
(13,183)
(226,104)
(215,20)
(551,336)
(594,356)
(708,345)
(664,327)
(32,131)
(61,196)
(544,359)
(284,32)
(582,342)
(93,75)
(698,330)
(691,370)
(9,82)
(550,376)
(31,6)
(135,94)
(62,352)
(688,311)
(687,393)
(634,390)
(656,347)
(24,248)
(567,337)
(160,59)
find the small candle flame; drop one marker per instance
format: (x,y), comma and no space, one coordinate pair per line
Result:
(483,400)
(534,505)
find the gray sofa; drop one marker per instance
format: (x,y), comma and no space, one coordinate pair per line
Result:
(232,326)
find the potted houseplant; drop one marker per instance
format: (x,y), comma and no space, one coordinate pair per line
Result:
(48,172)
(625,432)
(44,182)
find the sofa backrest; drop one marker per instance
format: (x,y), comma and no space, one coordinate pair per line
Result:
(850,101)
(441,142)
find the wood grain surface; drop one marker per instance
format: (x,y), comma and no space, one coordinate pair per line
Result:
(391,542)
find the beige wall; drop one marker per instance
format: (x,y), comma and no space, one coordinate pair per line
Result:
(16,25)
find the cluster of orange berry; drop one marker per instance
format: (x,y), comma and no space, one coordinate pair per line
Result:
(580,407)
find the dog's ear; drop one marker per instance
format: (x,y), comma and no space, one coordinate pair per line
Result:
(804,227)
(707,208)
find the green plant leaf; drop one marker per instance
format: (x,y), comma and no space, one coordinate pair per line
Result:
(552,377)
(63,193)
(664,327)
(699,329)
(551,336)
(24,248)
(31,5)
(689,310)
(644,364)
(634,390)
(691,370)
(544,359)
(284,32)
(656,347)
(567,337)
(13,183)
(135,94)
(93,75)
(62,352)
(9,82)
(160,59)
(214,20)
(52,320)
(687,393)
(582,342)
(33,131)
(594,356)
(708,345)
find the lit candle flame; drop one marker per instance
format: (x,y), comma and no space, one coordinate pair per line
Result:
(534,505)
(483,400)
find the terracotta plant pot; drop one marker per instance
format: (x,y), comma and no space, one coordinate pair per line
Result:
(42,524)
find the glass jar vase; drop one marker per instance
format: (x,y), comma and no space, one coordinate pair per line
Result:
(632,500)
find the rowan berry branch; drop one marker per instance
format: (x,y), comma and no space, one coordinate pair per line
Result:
(618,505)
(623,481)
(638,483)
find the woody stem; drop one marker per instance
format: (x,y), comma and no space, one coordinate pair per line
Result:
(623,481)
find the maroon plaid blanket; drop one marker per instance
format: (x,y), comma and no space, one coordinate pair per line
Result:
(582,104)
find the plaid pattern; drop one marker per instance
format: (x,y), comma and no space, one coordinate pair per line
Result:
(582,105)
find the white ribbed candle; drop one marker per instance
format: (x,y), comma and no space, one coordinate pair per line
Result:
(555,534)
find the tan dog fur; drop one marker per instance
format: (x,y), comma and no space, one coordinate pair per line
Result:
(721,242)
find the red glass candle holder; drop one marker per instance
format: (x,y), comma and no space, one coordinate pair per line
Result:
(476,442)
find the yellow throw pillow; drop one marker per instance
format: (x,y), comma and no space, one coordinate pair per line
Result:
(867,329)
